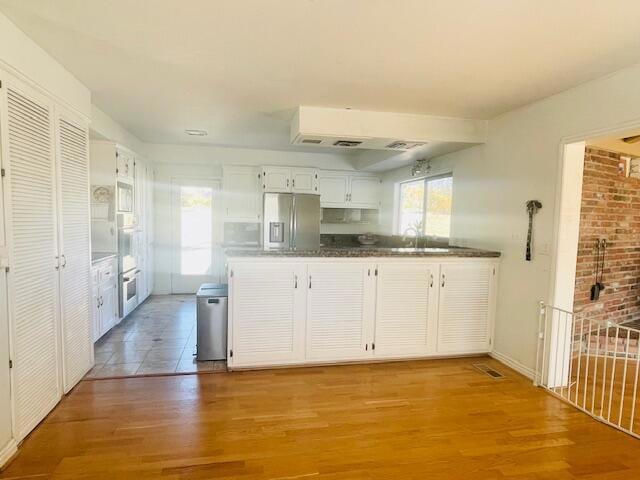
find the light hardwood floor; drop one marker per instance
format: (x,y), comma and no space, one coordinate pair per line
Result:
(438,419)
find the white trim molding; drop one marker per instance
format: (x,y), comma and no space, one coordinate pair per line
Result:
(7,452)
(512,363)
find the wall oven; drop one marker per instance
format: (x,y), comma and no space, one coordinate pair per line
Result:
(128,292)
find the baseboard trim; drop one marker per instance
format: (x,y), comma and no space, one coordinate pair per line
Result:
(514,364)
(7,453)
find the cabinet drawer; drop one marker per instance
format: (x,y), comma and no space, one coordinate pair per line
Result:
(106,273)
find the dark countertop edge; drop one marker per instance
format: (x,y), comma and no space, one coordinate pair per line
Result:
(360,253)
(100,256)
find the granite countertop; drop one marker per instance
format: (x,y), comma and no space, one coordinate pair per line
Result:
(99,256)
(364,252)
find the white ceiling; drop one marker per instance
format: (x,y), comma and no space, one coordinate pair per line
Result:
(238,68)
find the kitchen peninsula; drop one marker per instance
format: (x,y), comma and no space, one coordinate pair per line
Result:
(343,304)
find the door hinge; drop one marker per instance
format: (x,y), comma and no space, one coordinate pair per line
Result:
(2,172)
(309,281)
(373,346)
(116,170)
(230,353)
(10,363)
(369,272)
(231,273)
(494,271)
(376,272)
(366,346)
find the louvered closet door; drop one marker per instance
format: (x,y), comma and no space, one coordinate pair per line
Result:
(33,280)
(464,322)
(406,309)
(267,314)
(75,234)
(339,311)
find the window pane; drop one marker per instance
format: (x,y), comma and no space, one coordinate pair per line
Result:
(438,218)
(411,206)
(196,230)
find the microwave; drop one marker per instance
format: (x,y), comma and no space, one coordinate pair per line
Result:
(124,197)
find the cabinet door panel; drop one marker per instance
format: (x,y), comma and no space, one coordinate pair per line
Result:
(304,180)
(365,192)
(276,179)
(29,150)
(242,194)
(333,190)
(464,312)
(75,237)
(406,309)
(267,314)
(108,306)
(339,311)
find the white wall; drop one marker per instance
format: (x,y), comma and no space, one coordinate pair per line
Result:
(519,162)
(108,128)
(172,161)
(22,56)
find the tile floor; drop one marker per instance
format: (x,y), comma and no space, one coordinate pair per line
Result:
(158,337)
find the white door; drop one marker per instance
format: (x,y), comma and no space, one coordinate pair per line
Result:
(340,301)
(5,376)
(464,312)
(28,157)
(75,256)
(364,192)
(304,180)
(333,190)
(196,232)
(267,314)
(406,309)
(242,194)
(276,179)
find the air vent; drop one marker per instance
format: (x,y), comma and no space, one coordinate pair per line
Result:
(346,143)
(402,145)
(486,369)
(313,141)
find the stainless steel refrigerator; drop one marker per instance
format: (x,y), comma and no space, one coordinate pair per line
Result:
(291,221)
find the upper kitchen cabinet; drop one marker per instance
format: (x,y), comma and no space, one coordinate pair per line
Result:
(289,179)
(242,193)
(348,190)
(125,163)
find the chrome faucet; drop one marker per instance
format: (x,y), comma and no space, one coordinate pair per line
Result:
(415,237)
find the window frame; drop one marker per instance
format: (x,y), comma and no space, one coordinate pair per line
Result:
(425,179)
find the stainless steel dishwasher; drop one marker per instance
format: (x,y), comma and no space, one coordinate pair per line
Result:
(211,304)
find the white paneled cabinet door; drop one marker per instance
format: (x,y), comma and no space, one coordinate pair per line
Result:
(333,190)
(267,314)
(406,309)
(340,300)
(75,256)
(304,180)
(364,192)
(29,158)
(465,308)
(242,194)
(276,179)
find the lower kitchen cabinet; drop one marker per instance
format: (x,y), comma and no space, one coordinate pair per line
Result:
(340,308)
(464,317)
(406,309)
(104,297)
(304,310)
(266,314)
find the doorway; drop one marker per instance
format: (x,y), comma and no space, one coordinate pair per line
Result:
(196,249)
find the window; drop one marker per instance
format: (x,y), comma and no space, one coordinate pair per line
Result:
(425,207)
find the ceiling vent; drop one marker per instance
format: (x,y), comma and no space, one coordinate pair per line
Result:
(404,145)
(347,143)
(312,141)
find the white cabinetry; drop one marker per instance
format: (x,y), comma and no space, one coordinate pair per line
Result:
(45,156)
(348,190)
(104,295)
(125,163)
(339,310)
(266,314)
(301,310)
(466,293)
(406,309)
(242,195)
(289,179)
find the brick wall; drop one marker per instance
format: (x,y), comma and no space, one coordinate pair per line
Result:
(610,210)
